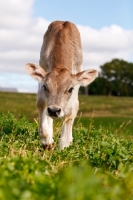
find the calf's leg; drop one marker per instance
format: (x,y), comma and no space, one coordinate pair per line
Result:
(45,129)
(66,136)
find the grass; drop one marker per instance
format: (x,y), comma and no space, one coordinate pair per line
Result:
(19,103)
(118,123)
(106,111)
(98,165)
(98,106)
(107,106)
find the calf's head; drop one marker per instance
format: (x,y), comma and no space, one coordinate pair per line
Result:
(59,88)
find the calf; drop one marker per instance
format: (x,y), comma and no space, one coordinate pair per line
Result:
(59,75)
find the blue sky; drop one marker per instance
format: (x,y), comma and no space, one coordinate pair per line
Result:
(93,13)
(105,26)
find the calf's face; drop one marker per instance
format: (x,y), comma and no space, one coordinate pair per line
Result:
(59,88)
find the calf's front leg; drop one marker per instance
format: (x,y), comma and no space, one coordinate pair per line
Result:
(45,129)
(66,136)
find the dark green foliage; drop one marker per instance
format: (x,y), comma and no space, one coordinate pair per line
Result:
(98,165)
(115,78)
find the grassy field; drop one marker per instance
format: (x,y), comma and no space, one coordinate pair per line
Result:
(105,110)
(19,103)
(107,106)
(89,105)
(97,166)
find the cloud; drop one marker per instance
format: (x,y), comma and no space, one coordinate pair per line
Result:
(21,37)
(100,46)
(14,14)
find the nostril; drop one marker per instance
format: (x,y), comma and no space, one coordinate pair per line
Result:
(58,110)
(49,111)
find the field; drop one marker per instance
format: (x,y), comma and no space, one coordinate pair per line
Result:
(105,111)
(97,166)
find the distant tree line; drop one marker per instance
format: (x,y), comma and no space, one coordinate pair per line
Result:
(115,78)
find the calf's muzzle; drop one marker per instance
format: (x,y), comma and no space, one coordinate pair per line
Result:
(53,111)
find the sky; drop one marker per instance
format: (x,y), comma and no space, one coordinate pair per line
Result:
(105,26)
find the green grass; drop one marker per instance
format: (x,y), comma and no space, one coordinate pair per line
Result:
(97,166)
(89,105)
(100,107)
(19,103)
(104,111)
(115,123)
(107,106)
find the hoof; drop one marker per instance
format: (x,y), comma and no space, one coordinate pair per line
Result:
(48,146)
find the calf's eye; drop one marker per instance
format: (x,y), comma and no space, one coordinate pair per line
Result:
(70,90)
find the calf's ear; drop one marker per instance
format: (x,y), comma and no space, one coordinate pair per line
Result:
(84,78)
(35,71)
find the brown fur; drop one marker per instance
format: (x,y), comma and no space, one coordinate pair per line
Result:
(61,47)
